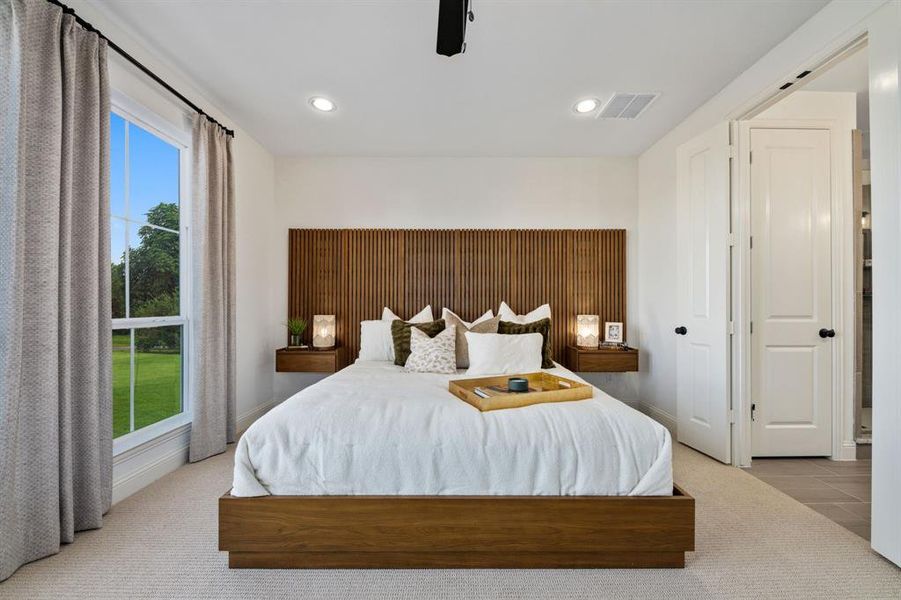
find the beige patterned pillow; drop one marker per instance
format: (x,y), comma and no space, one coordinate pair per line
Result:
(432,354)
(488,326)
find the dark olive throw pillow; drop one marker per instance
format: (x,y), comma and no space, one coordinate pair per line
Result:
(400,333)
(542,326)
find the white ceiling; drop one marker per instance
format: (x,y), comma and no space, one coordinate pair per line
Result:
(511,94)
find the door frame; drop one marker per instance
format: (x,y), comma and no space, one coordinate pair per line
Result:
(842,262)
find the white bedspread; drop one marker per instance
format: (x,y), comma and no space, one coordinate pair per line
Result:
(374,429)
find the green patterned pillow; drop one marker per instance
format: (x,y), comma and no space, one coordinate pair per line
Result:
(543,327)
(400,333)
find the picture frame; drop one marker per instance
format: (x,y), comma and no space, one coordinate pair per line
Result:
(613,333)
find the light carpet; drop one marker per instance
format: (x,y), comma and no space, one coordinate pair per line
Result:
(752,542)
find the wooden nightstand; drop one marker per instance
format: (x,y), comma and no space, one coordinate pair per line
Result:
(608,360)
(311,361)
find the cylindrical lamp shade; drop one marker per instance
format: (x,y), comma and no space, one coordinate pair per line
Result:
(323,331)
(587,330)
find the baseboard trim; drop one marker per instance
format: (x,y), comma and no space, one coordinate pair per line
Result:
(142,465)
(848,451)
(661,416)
(139,467)
(248,418)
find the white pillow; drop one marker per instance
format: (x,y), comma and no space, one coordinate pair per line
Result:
(423,316)
(496,353)
(506,314)
(432,355)
(376,342)
(489,314)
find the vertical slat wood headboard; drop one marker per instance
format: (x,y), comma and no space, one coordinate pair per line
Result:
(353,273)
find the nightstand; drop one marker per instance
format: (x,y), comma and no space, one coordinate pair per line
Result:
(607,360)
(310,360)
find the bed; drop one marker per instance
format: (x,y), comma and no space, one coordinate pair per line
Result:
(376,467)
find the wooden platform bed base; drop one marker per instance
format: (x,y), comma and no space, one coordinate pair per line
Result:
(336,532)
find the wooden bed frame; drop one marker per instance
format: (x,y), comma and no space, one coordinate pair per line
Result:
(333,532)
(353,273)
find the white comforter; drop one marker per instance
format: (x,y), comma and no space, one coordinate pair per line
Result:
(374,429)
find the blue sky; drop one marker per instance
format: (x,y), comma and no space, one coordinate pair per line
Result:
(152,178)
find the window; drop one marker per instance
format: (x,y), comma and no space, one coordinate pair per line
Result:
(148,254)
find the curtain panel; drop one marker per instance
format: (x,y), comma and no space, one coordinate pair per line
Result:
(213,290)
(55,326)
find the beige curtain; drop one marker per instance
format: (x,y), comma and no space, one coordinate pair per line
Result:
(55,328)
(213,290)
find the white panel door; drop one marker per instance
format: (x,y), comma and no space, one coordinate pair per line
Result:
(702,337)
(791,293)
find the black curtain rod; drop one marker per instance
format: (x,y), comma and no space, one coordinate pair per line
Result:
(144,69)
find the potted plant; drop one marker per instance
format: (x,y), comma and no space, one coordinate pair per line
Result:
(296,327)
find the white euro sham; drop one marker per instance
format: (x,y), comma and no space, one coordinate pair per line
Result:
(498,354)
(507,314)
(423,316)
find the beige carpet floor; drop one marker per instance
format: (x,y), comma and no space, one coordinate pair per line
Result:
(752,542)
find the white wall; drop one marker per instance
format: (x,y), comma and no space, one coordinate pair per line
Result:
(256,335)
(657,187)
(457,193)
(255,203)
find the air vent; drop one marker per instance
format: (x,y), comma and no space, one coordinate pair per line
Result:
(626,106)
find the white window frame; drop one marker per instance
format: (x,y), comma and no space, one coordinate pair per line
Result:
(180,137)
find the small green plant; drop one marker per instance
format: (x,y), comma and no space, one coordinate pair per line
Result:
(296,326)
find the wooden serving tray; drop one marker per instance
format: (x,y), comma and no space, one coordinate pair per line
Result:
(550,388)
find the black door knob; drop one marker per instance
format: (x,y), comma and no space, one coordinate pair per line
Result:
(681,330)
(827,333)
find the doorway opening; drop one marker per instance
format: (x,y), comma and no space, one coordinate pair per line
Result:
(807,188)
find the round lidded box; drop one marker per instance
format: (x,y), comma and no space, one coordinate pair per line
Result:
(518,384)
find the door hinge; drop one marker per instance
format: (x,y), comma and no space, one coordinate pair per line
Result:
(731,327)
(732,415)
(731,151)
(752,326)
(731,239)
(750,157)
(751,242)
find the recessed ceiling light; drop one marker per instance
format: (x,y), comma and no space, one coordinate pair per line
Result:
(323,104)
(586,106)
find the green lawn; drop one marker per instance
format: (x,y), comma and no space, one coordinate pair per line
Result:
(157,386)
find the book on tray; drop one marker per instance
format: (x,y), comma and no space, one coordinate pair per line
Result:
(496,390)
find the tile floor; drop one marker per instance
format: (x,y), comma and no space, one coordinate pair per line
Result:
(838,490)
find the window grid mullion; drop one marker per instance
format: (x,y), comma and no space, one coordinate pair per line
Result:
(152,226)
(131,383)
(148,322)
(146,224)
(127,186)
